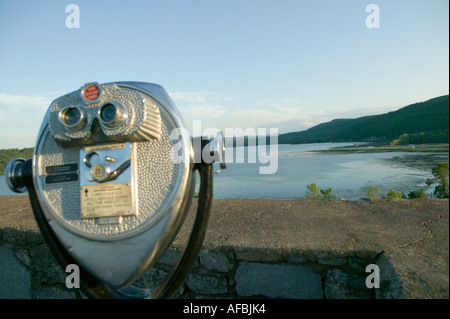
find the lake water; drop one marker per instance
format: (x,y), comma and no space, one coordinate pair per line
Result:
(349,174)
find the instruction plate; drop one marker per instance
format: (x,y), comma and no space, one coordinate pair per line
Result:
(106,200)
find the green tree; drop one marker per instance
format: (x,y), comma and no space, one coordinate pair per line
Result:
(440,173)
(420,193)
(373,193)
(393,194)
(313,191)
(436,136)
(316,192)
(403,139)
(327,193)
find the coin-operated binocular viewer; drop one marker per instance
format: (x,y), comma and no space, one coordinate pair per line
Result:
(111,181)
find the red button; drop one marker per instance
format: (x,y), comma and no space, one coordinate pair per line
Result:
(91,92)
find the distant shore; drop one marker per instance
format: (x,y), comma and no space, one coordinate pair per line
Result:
(370,148)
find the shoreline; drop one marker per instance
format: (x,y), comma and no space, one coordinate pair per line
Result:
(370,148)
(331,200)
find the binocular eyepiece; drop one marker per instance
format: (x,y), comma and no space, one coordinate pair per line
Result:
(110,115)
(106,113)
(106,190)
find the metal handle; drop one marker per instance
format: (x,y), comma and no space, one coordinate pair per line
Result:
(15,174)
(184,265)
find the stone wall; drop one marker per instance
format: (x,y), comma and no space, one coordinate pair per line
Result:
(250,273)
(301,249)
(31,271)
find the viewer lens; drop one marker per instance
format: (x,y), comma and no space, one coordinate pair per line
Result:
(108,113)
(72,117)
(111,115)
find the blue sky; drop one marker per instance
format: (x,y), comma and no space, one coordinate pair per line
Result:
(289,64)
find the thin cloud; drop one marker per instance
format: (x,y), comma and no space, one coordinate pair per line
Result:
(219,111)
(21,117)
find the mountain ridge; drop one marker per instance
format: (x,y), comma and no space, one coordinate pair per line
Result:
(421,117)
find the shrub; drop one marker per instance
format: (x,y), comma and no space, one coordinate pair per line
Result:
(316,192)
(440,172)
(420,193)
(373,193)
(327,193)
(313,191)
(393,194)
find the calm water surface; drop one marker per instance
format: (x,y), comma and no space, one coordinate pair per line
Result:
(349,175)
